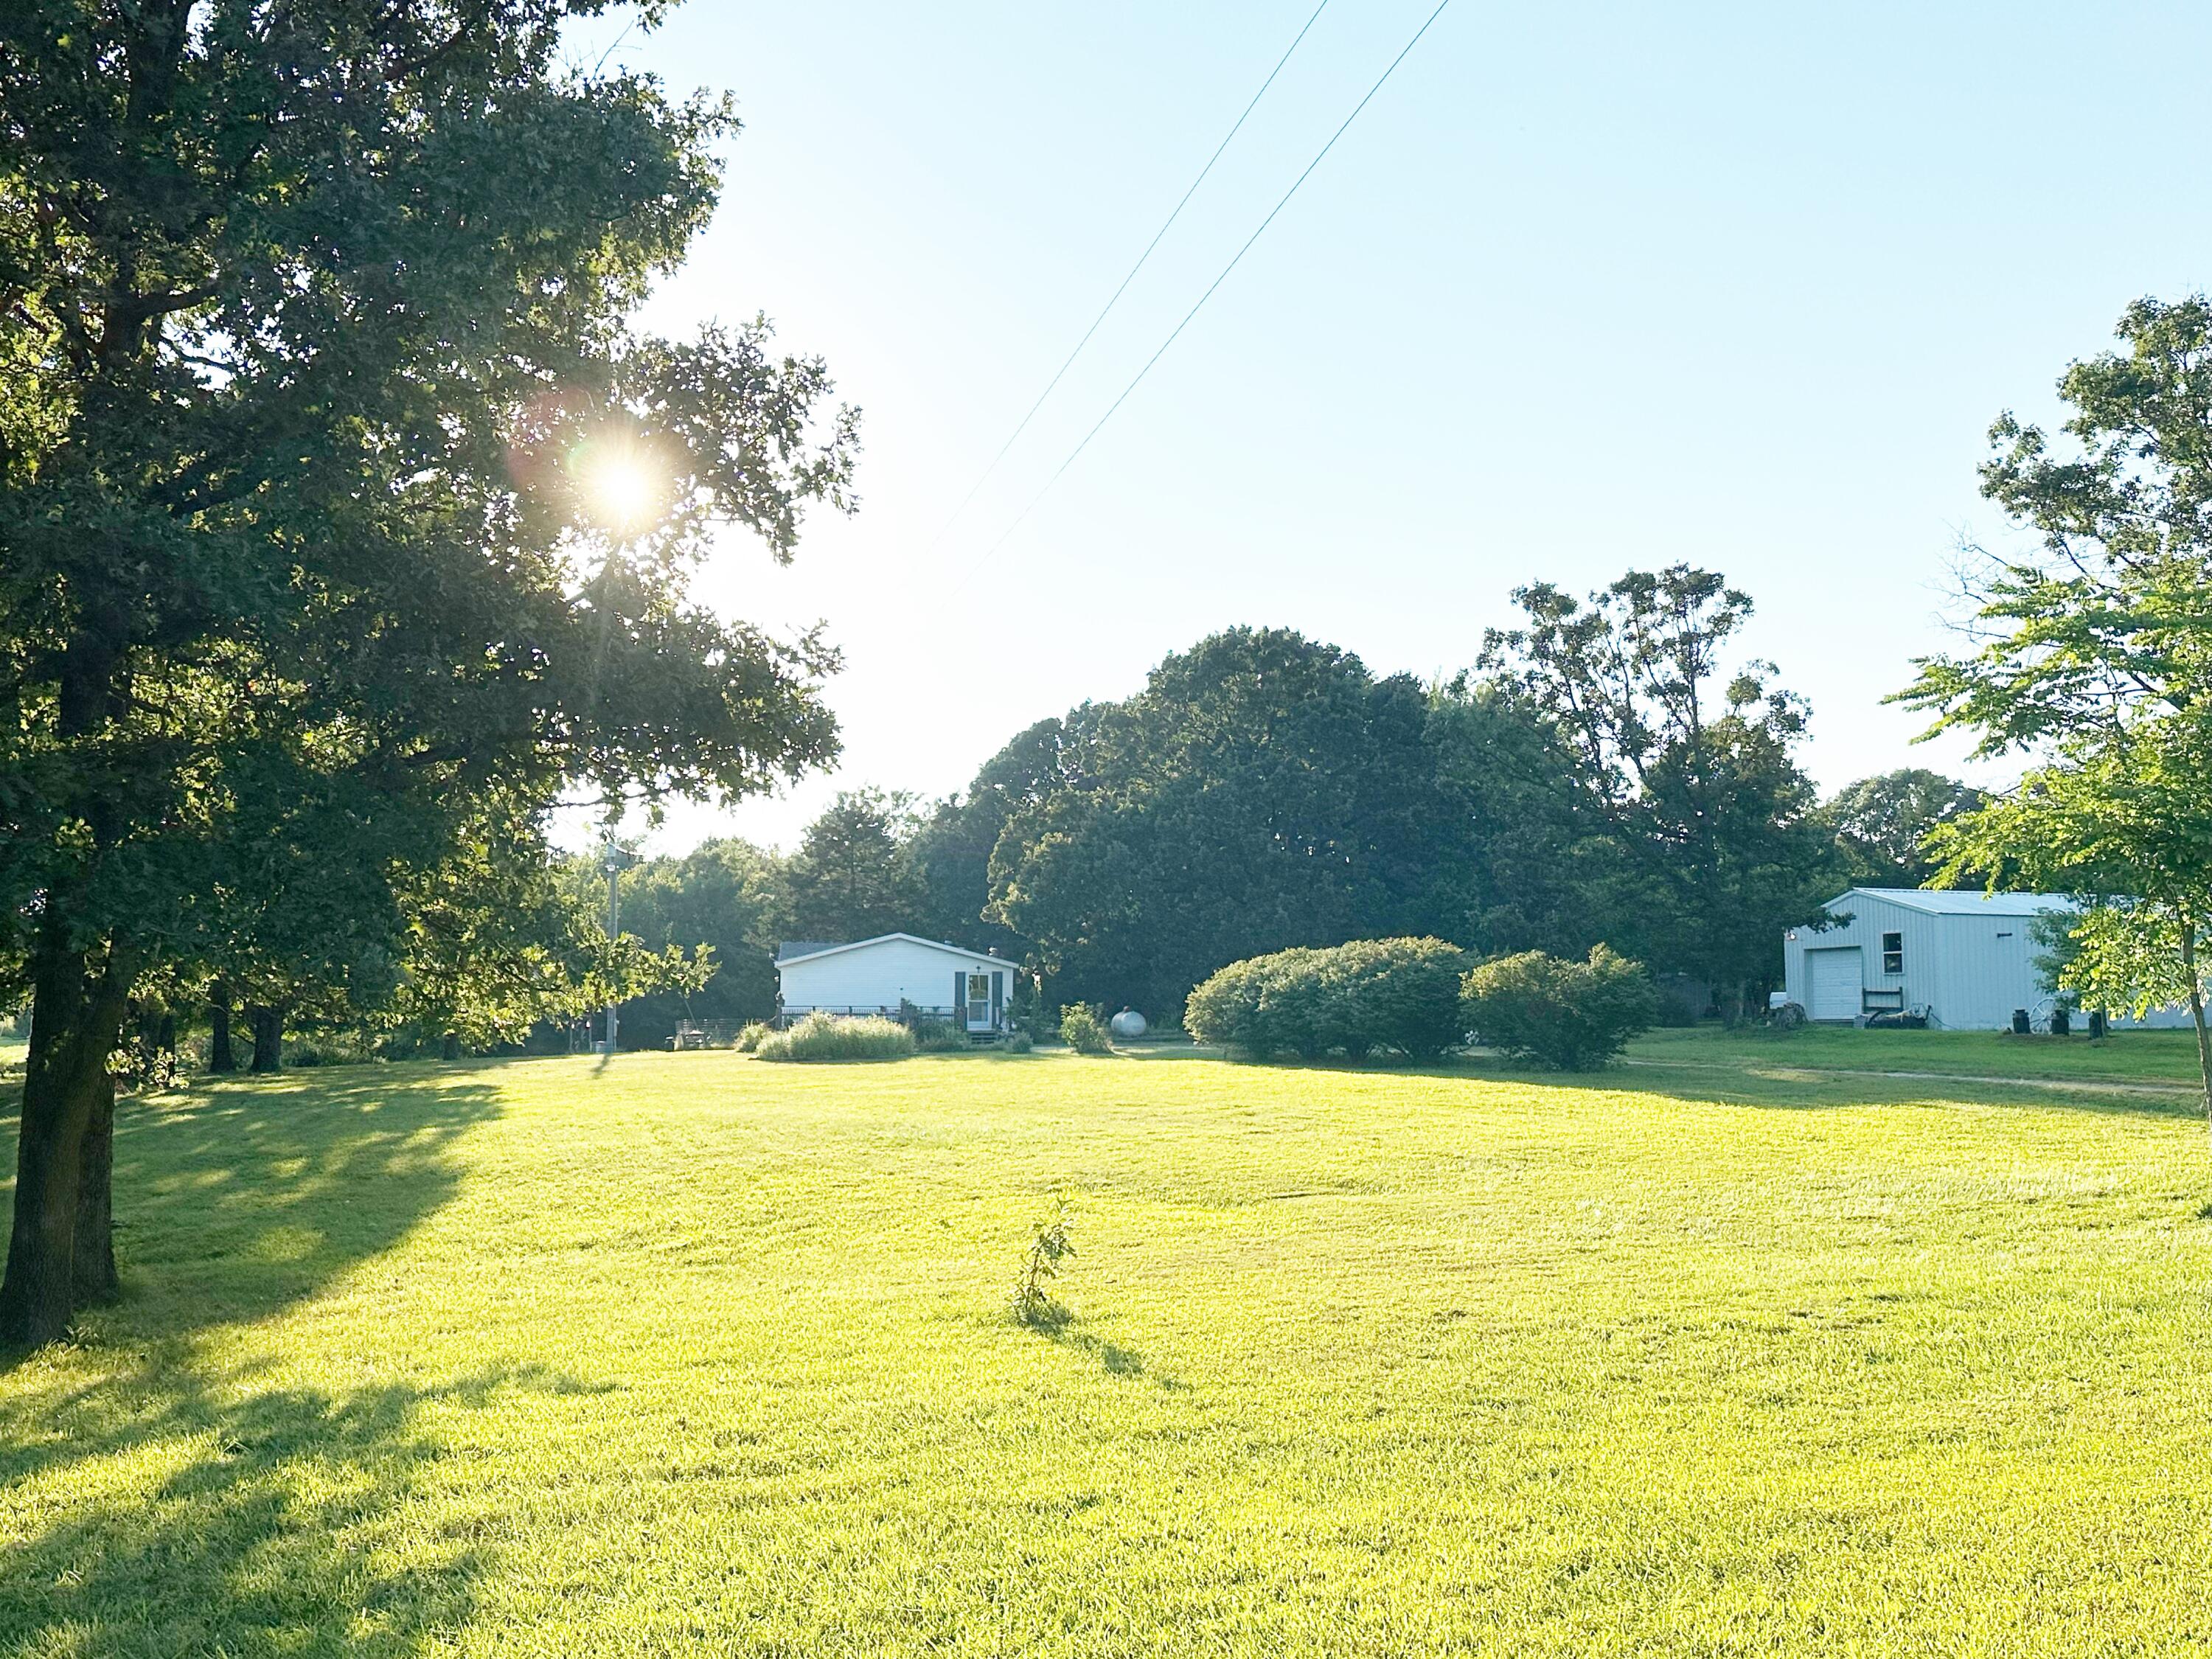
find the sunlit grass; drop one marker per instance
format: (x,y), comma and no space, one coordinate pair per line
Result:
(2161,1056)
(690,1355)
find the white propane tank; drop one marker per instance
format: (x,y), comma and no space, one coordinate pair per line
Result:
(1126,1024)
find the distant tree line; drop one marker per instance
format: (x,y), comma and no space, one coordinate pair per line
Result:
(1608,774)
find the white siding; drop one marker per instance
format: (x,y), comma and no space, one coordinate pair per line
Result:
(1968,972)
(880,974)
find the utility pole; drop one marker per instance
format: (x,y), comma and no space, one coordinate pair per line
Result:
(612,863)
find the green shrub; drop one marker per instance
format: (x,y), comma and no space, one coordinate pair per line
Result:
(1017,1043)
(749,1040)
(1569,1016)
(823,1037)
(1081,1029)
(1398,994)
(939,1036)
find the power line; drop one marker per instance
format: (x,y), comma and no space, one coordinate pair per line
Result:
(1318,157)
(1023,425)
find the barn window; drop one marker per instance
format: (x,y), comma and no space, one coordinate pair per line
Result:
(1893,954)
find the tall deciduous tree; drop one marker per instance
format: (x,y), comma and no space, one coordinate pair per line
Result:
(851,878)
(1263,791)
(1882,824)
(2093,655)
(325,446)
(725,895)
(1687,761)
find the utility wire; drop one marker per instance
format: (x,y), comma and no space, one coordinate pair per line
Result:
(1224,276)
(1023,425)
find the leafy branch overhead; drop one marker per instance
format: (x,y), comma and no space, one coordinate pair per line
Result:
(345,519)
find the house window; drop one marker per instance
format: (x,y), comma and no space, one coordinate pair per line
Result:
(1893,955)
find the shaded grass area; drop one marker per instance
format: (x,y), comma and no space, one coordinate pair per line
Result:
(685,1354)
(2123,1057)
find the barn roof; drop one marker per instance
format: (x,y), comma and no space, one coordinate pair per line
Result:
(808,950)
(1970,902)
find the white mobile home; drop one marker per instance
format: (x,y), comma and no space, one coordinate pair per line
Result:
(895,972)
(1964,959)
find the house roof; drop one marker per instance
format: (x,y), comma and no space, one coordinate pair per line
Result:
(809,951)
(1971,902)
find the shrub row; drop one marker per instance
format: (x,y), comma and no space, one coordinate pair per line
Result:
(824,1036)
(1417,997)
(1399,994)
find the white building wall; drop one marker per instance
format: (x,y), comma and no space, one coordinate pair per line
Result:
(1871,918)
(1968,972)
(882,974)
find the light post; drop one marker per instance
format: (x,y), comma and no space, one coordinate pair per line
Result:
(612,861)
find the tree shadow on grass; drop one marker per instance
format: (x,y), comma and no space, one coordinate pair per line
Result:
(159,1512)
(1776,1084)
(237,1199)
(152,1505)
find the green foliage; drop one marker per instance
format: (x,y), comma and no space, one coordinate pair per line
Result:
(1883,825)
(1051,1243)
(750,1039)
(1262,791)
(318,358)
(1569,1016)
(1684,765)
(1398,994)
(726,896)
(2096,656)
(1082,1030)
(941,1036)
(850,878)
(1016,1043)
(820,1036)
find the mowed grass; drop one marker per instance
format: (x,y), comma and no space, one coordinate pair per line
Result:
(690,1355)
(2161,1057)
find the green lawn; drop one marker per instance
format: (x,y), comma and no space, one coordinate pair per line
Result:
(2146,1057)
(693,1355)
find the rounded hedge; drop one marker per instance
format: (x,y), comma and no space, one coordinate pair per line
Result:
(1401,995)
(1567,1015)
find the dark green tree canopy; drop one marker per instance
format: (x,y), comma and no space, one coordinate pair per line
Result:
(332,472)
(851,877)
(1686,758)
(1882,824)
(1262,791)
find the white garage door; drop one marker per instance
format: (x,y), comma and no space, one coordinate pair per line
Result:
(1832,979)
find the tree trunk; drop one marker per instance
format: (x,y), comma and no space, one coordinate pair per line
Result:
(76,1016)
(220,1056)
(2197,1012)
(451,1048)
(93,1271)
(268,1037)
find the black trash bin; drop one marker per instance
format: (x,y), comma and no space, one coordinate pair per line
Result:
(2019,1025)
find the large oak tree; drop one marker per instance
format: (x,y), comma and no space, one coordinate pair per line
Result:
(332,470)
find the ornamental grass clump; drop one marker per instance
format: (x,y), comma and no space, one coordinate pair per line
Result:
(820,1037)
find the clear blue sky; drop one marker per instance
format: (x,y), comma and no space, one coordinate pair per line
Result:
(1587,287)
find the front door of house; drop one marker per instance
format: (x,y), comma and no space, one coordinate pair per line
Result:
(979,1002)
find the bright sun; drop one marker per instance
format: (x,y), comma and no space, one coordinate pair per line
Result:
(625,492)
